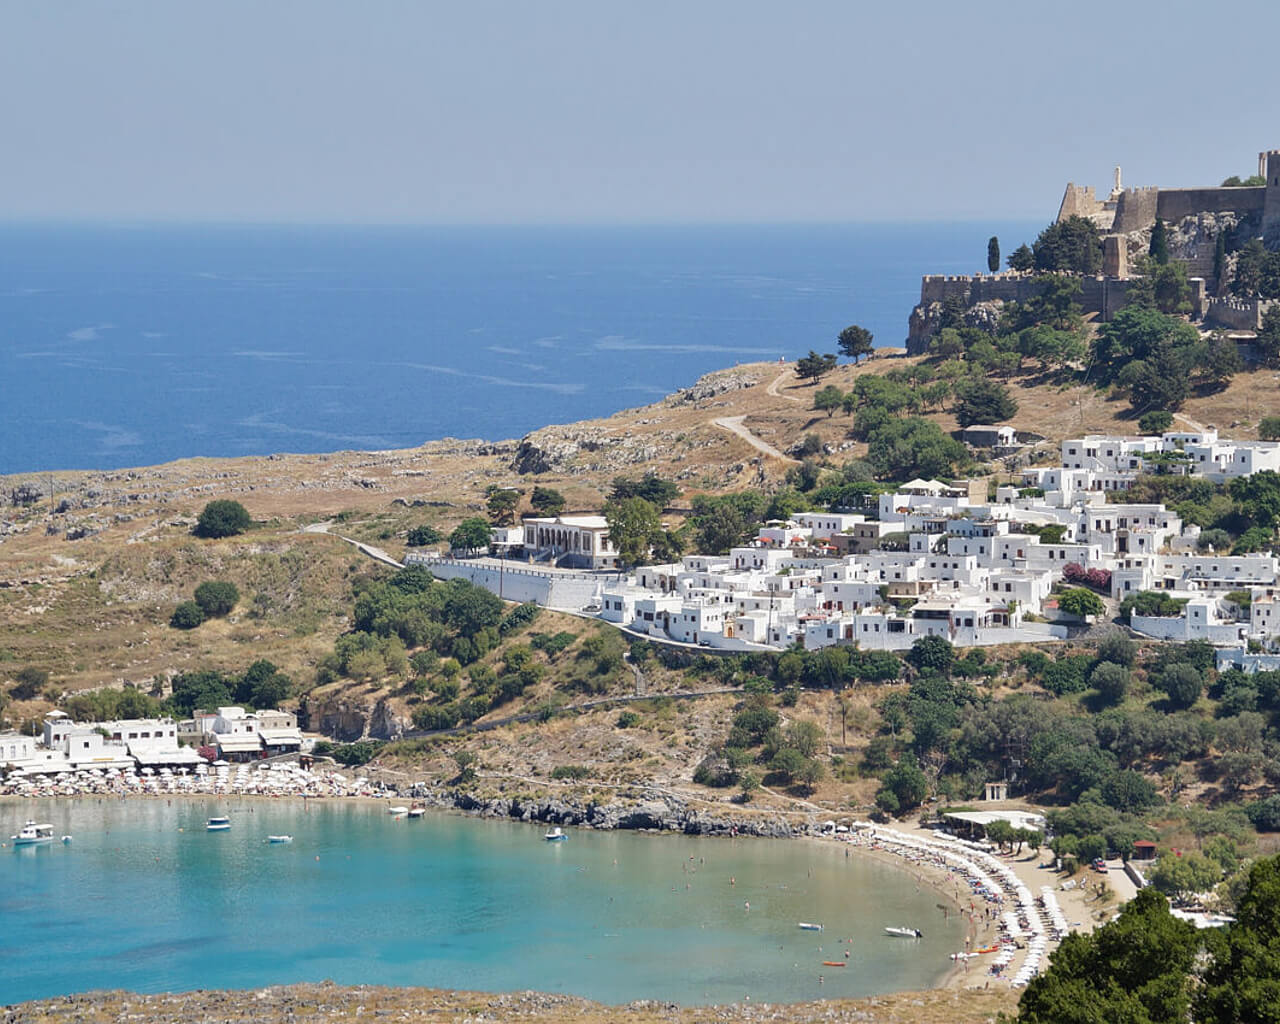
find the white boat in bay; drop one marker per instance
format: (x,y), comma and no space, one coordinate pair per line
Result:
(809,926)
(556,835)
(218,825)
(904,933)
(398,811)
(32,834)
(416,811)
(279,839)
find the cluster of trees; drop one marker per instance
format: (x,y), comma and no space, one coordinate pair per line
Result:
(854,342)
(1068,246)
(28,682)
(422,536)
(212,599)
(411,610)
(976,398)
(596,665)
(261,685)
(1047,330)
(1159,358)
(633,513)
(957,737)
(1257,271)
(1148,966)
(1241,516)
(758,741)
(106,705)
(472,534)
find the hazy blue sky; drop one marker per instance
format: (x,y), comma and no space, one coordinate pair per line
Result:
(588,110)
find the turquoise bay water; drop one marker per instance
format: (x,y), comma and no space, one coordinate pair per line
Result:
(145,899)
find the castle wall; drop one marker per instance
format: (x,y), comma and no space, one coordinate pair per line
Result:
(1135,210)
(1099,296)
(1079,201)
(1271,203)
(1236,314)
(1176,203)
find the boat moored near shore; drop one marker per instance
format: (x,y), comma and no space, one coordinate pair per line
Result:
(32,834)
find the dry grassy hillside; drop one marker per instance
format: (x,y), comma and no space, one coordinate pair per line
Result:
(94,610)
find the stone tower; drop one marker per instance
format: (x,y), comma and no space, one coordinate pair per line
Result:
(1269,167)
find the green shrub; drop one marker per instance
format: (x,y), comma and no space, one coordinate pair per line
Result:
(628,720)
(570,771)
(216,598)
(421,536)
(188,615)
(223,518)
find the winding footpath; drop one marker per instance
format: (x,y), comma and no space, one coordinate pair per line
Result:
(377,554)
(733,424)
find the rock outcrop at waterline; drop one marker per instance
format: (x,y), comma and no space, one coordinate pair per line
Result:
(658,812)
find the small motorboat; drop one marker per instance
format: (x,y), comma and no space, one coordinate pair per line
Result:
(279,839)
(809,926)
(556,835)
(904,933)
(417,811)
(398,810)
(832,963)
(32,834)
(218,825)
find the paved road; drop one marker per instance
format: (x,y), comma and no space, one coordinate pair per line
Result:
(368,549)
(733,424)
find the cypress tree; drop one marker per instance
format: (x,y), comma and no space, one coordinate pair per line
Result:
(1159,243)
(993,254)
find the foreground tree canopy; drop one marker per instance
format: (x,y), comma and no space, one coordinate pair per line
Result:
(1149,967)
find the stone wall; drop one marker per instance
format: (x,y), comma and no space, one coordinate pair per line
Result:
(1176,203)
(1079,201)
(565,591)
(1099,296)
(1136,210)
(1271,204)
(1236,314)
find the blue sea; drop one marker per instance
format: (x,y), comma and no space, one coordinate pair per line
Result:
(145,899)
(126,346)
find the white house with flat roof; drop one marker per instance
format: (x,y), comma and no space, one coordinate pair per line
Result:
(578,542)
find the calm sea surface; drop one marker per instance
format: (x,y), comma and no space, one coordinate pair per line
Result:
(132,346)
(145,899)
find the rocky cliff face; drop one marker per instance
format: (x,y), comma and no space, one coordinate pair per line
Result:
(926,320)
(348,719)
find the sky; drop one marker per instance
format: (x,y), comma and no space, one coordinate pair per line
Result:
(586,111)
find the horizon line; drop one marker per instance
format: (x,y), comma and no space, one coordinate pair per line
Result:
(198,222)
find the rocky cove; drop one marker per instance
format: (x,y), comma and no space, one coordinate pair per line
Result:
(656,812)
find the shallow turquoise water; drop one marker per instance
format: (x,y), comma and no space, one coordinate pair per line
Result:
(145,899)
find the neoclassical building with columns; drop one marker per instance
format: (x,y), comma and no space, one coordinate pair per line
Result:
(579,542)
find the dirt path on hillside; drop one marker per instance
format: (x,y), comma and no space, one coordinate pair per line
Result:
(733,424)
(772,389)
(377,554)
(1193,424)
